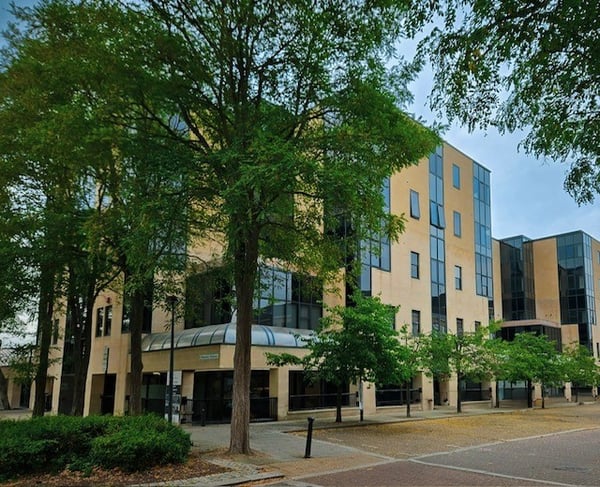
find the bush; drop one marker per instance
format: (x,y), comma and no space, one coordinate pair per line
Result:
(53,443)
(138,449)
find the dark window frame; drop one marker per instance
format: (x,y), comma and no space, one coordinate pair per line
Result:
(416,322)
(415,265)
(415,207)
(458,278)
(456,176)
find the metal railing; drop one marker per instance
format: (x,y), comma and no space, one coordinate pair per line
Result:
(219,410)
(300,402)
(396,397)
(475,394)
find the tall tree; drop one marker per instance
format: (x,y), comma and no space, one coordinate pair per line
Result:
(529,65)
(294,121)
(126,191)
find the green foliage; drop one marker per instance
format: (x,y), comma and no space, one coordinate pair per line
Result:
(469,356)
(355,343)
(524,65)
(24,363)
(466,355)
(534,358)
(295,120)
(139,444)
(580,366)
(50,444)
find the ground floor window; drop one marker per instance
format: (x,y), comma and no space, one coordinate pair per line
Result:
(154,387)
(512,390)
(474,391)
(317,395)
(395,395)
(213,396)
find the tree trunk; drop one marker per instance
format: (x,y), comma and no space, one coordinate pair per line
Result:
(497,393)
(4,402)
(338,404)
(245,269)
(408,399)
(458,398)
(137,366)
(82,336)
(529,394)
(45,309)
(543,398)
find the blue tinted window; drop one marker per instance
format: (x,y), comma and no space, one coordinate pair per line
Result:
(455,176)
(457,224)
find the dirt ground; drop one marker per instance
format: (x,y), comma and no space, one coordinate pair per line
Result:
(194,467)
(415,438)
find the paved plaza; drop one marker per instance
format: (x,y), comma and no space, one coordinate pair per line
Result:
(510,446)
(483,446)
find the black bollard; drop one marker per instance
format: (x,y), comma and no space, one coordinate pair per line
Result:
(203,417)
(309,437)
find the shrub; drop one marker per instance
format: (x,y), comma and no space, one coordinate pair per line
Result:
(141,443)
(53,443)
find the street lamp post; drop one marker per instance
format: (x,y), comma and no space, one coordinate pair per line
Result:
(172,301)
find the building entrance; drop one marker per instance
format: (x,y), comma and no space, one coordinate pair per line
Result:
(213,393)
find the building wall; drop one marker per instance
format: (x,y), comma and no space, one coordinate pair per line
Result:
(110,354)
(547,301)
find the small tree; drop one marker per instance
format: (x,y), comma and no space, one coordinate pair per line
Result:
(580,368)
(412,361)
(353,344)
(465,355)
(534,358)
(496,350)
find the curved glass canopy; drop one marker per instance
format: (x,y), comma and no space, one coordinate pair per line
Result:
(266,336)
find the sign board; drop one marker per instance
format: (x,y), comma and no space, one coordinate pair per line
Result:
(177,378)
(209,356)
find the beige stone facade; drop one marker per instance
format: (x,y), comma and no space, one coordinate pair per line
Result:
(466,277)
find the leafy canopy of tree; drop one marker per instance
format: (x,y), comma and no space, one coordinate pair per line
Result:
(293,114)
(534,358)
(353,344)
(529,65)
(467,355)
(88,196)
(580,368)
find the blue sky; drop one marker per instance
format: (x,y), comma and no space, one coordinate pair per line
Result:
(527,194)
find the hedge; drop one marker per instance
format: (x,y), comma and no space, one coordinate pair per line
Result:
(53,443)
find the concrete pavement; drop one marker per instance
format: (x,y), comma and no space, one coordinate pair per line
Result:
(279,447)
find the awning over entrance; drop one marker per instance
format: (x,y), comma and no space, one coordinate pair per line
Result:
(267,336)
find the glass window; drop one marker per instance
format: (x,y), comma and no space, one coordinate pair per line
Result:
(414,265)
(477,325)
(55,332)
(415,210)
(457,277)
(107,320)
(457,224)
(437,215)
(455,176)
(99,322)
(459,327)
(416,322)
